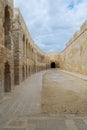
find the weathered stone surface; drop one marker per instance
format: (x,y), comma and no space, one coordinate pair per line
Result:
(73,57)
(19,55)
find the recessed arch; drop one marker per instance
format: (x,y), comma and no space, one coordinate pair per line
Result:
(7,78)
(7,27)
(23,72)
(26,72)
(29,71)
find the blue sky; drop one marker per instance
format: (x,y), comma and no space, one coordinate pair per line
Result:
(52,23)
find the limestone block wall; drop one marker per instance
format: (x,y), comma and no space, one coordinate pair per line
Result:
(21,44)
(9,46)
(19,55)
(10,3)
(6,53)
(16,51)
(41,60)
(28,58)
(74,56)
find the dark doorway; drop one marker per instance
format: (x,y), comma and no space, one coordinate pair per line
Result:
(53,65)
(26,72)
(23,73)
(7,78)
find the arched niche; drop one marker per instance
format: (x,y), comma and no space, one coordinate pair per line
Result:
(7,78)
(7,27)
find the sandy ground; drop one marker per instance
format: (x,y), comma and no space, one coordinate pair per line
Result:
(63,94)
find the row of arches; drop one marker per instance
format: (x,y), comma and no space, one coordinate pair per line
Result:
(25,72)
(7,76)
(7,68)
(7,43)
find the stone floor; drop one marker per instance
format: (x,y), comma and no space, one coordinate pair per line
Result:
(24,100)
(52,122)
(21,110)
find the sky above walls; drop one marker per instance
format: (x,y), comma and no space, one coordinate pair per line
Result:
(52,23)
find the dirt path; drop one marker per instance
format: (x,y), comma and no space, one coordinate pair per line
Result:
(63,94)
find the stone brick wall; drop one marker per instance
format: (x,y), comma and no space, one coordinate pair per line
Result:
(74,56)
(6,55)
(28,58)
(19,55)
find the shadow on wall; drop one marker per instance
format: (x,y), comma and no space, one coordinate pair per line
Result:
(7,78)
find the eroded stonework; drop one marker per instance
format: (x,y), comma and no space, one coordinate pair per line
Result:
(74,56)
(19,55)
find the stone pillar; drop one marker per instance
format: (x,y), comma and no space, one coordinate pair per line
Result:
(16,51)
